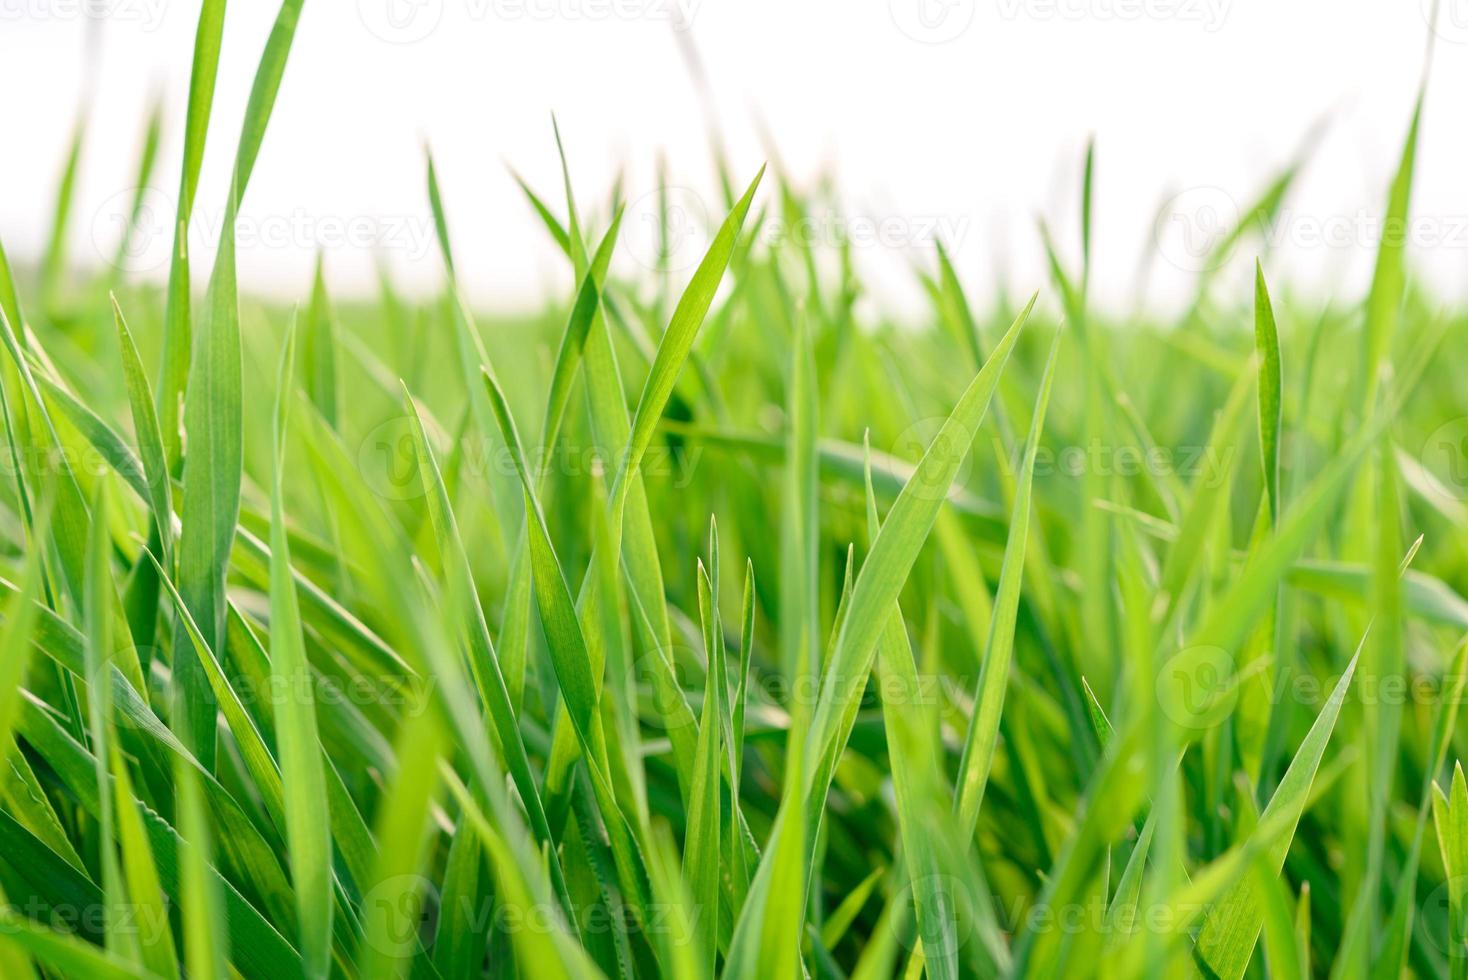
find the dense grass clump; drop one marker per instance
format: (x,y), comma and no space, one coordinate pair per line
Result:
(703,626)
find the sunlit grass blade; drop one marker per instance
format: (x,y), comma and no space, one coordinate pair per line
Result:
(484,664)
(146,896)
(403,829)
(214,420)
(892,555)
(983,730)
(150,438)
(205,939)
(307,818)
(701,845)
(177,311)
(572,665)
(1226,941)
(800,515)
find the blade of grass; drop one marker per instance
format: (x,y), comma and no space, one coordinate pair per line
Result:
(307,819)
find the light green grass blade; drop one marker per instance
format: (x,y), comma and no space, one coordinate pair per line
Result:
(892,556)
(403,830)
(205,944)
(701,847)
(483,663)
(150,437)
(1271,382)
(22,612)
(800,514)
(144,887)
(54,259)
(98,612)
(572,665)
(921,797)
(307,816)
(1389,277)
(177,313)
(983,729)
(677,342)
(318,349)
(1226,941)
(213,418)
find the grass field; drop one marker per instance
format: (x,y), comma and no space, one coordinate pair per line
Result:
(707,625)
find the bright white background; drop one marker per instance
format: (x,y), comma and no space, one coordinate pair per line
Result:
(946,118)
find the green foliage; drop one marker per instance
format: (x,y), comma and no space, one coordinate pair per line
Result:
(709,626)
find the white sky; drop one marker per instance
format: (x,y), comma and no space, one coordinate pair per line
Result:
(944,117)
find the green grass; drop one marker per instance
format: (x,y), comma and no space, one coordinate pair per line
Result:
(708,625)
